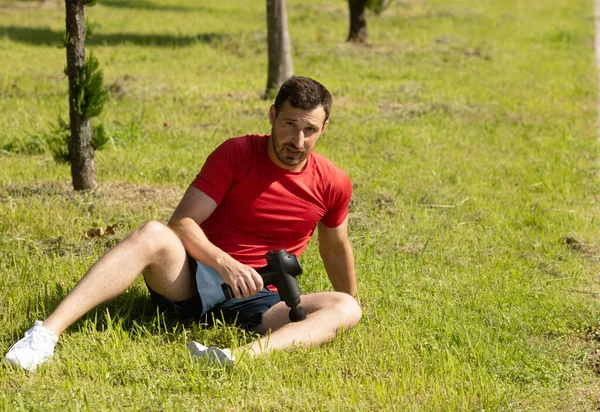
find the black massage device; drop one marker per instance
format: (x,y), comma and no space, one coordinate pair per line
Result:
(281,271)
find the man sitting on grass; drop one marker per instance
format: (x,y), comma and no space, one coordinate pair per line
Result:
(253,194)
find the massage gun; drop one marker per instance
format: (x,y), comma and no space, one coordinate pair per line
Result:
(281,271)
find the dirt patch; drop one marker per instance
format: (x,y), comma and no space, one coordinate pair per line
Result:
(411,249)
(121,87)
(578,245)
(107,193)
(167,197)
(410,110)
(34,5)
(122,204)
(478,52)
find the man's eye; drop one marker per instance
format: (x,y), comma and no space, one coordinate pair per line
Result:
(290,124)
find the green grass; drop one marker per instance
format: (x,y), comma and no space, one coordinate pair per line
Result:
(469,129)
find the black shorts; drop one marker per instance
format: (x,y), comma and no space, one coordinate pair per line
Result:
(245,313)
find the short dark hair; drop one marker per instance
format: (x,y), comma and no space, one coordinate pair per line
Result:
(303,93)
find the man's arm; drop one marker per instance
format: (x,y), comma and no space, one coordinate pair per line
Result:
(336,252)
(194,208)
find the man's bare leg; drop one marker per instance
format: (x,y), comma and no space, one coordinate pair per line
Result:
(328,314)
(153,249)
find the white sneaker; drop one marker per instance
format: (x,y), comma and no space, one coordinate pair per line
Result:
(214,355)
(34,349)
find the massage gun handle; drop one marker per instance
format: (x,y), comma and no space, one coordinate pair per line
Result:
(269,278)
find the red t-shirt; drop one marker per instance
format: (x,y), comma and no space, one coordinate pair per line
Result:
(261,206)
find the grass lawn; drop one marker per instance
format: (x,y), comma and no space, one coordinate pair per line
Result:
(469,130)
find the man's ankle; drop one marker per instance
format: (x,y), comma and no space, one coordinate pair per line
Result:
(52,327)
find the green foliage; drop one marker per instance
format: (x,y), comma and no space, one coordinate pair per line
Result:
(58,141)
(90,28)
(55,141)
(60,136)
(378,6)
(29,145)
(63,44)
(90,95)
(102,138)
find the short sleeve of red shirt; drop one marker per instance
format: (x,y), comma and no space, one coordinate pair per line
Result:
(339,194)
(219,171)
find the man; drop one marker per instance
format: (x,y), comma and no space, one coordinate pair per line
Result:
(253,194)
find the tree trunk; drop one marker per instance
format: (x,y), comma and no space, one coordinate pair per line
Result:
(81,149)
(279,48)
(358,21)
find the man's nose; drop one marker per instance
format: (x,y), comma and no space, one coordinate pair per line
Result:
(298,140)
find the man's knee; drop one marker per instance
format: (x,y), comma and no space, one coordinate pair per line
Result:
(153,228)
(166,270)
(155,236)
(349,310)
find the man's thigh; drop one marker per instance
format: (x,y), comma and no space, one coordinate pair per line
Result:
(279,315)
(171,273)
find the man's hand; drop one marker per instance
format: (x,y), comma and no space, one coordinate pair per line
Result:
(244,280)
(193,209)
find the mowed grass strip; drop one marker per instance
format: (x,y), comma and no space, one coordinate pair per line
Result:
(468,129)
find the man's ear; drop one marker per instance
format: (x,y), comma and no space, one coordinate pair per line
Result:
(272,114)
(325,125)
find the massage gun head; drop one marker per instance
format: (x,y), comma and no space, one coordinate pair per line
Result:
(281,261)
(297,314)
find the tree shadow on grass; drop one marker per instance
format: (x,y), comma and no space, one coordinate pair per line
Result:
(45,36)
(130,310)
(148,5)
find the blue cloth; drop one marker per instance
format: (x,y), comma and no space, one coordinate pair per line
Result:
(246,313)
(208,283)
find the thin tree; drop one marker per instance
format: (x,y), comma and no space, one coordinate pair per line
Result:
(86,96)
(358,19)
(279,47)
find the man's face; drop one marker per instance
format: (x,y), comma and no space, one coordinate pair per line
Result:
(294,134)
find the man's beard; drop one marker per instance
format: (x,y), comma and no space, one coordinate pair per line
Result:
(280,151)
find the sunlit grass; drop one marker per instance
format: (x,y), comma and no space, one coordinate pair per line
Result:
(468,129)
